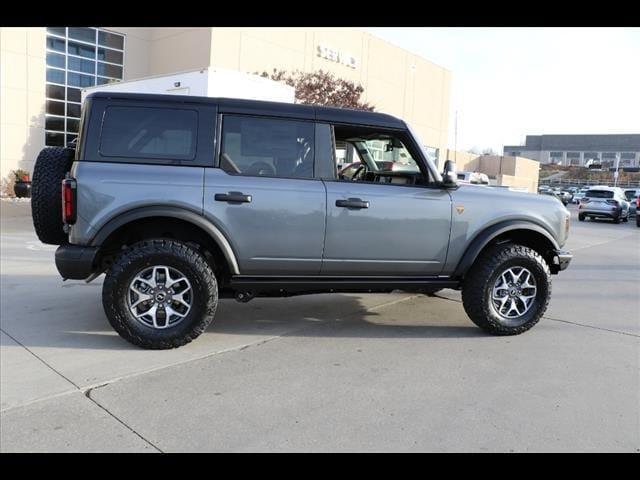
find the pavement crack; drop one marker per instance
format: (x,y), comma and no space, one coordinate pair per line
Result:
(39,358)
(619,332)
(87,394)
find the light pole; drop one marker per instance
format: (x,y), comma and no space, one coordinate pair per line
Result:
(615,174)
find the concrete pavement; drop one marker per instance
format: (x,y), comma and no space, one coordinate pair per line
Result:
(325,372)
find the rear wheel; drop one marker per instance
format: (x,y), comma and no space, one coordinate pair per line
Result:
(616,219)
(50,169)
(507,290)
(160,294)
(581,217)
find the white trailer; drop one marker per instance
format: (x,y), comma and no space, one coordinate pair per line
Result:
(206,82)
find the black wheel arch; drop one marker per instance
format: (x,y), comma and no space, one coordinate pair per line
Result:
(168,219)
(519,231)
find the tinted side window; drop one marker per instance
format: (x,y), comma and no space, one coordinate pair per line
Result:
(267,147)
(142,132)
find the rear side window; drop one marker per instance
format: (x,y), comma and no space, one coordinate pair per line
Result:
(147,132)
(599,194)
(267,147)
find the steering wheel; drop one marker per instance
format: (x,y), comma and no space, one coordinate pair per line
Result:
(260,168)
(360,172)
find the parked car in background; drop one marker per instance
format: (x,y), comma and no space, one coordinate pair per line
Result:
(566,196)
(604,202)
(577,197)
(632,195)
(475,178)
(551,193)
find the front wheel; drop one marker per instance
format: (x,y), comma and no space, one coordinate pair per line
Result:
(507,290)
(160,294)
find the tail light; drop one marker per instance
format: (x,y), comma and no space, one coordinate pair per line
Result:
(69,197)
(638,202)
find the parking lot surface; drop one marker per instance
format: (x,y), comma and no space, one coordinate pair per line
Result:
(378,372)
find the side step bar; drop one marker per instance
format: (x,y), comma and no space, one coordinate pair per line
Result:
(247,287)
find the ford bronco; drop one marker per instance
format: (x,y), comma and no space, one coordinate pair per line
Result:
(182,200)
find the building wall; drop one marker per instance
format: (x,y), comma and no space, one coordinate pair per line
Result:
(505,170)
(22,94)
(394,80)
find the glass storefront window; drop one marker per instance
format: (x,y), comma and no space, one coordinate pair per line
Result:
(82,50)
(81,65)
(108,70)
(75,56)
(84,34)
(108,55)
(112,40)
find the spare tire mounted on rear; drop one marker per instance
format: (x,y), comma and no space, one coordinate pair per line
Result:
(51,166)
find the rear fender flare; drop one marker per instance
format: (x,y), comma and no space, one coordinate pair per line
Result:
(175,212)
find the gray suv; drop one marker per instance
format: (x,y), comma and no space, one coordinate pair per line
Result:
(183,200)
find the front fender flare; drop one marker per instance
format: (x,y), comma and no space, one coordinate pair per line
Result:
(483,238)
(174,212)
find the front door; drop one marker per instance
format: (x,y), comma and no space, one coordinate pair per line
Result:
(264,196)
(382,219)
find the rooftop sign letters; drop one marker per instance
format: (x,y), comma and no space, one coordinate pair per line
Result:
(333,55)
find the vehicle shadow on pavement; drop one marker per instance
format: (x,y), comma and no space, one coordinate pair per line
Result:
(70,315)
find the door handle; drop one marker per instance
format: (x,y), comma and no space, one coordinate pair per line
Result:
(352,203)
(232,197)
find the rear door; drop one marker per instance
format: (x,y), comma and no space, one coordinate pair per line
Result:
(264,195)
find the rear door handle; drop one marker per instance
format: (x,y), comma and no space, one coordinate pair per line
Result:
(232,197)
(352,203)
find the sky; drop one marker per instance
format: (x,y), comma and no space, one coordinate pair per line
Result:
(511,82)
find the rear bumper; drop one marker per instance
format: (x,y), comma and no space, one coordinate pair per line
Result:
(561,260)
(611,212)
(75,262)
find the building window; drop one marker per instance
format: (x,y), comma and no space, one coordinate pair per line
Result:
(77,57)
(627,156)
(555,154)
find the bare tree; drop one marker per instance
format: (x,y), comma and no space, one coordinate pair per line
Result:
(321,88)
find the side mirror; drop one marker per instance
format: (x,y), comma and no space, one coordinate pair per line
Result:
(449,177)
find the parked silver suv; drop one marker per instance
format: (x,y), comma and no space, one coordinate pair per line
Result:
(604,202)
(182,200)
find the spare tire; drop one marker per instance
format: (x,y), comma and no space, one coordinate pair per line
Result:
(51,166)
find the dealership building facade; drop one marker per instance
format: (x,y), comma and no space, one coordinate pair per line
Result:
(43,71)
(580,150)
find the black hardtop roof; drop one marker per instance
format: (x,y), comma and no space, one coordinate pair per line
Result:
(259,107)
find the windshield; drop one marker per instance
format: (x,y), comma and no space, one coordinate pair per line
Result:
(599,194)
(388,154)
(433,170)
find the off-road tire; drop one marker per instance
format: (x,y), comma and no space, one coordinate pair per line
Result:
(174,254)
(478,284)
(50,169)
(580,217)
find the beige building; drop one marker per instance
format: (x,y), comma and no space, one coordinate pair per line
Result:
(508,171)
(43,70)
